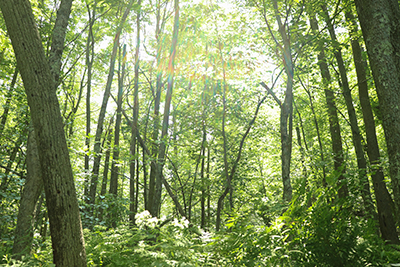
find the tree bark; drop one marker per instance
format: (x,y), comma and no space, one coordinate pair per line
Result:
(23,235)
(62,204)
(103,190)
(286,116)
(321,148)
(387,224)
(380,24)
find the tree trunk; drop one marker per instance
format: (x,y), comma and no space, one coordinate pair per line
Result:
(115,158)
(133,150)
(156,124)
(156,201)
(8,101)
(17,147)
(103,190)
(321,148)
(23,235)
(334,126)
(106,96)
(62,204)
(89,64)
(286,116)
(387,224)
(355,130)
(380,24)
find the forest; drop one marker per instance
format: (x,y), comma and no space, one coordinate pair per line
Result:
(199,133)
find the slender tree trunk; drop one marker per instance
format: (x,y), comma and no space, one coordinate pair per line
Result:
(157,100)
(355,130)
(8,169)
(115,158)
(286,116)
(133,150)
(234,166)
(39,82)
(203,155)
(106,96)
(8,101)
(108,139)
(321,148)
(156,201)
(387,224)
(334,126)
(380,24)
(89,64)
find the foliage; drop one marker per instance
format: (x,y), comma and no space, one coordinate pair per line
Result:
(221,43)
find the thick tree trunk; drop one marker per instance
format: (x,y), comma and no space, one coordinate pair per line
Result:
(383,198)
(62,204)
(380,24)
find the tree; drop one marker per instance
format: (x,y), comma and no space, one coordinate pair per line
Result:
(62,204)
(100,124)
(383,199)
(155,200)
(355,130)
(380,24)
(334,125)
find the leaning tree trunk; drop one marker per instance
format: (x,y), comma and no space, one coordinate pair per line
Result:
(39,82)
(23,235)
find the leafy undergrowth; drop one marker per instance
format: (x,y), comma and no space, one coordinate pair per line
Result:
(320,235)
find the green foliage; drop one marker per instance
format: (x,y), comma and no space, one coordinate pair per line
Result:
(246,244)
(173,244)
(329,234)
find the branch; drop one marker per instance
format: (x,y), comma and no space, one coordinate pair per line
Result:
(272,94)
